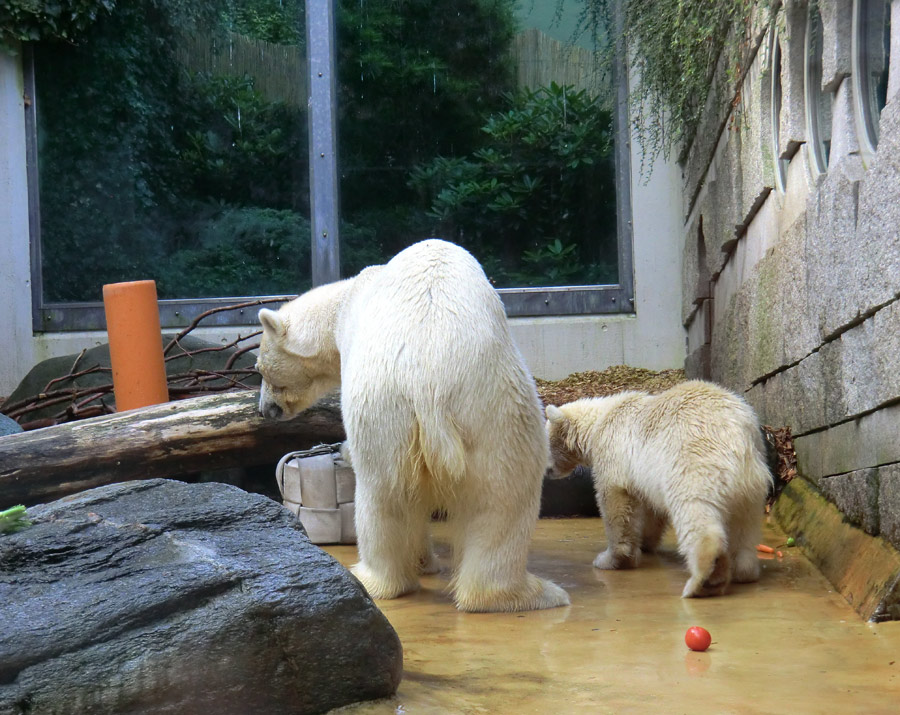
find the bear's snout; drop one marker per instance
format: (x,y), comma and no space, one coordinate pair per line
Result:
(270,410)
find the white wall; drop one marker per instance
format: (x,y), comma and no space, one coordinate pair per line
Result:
(553,347)
(16,354)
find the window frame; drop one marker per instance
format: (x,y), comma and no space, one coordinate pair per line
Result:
(819,154)
(867,126)
(608,299)
(776,106)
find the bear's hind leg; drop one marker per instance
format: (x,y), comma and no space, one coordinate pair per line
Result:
(744,534)
(492,555)
(388,563)
(654,526)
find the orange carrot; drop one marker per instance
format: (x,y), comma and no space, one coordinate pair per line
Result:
(765,549)
(779,554)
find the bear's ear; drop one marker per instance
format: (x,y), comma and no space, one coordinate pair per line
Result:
(271,322)
(554,414)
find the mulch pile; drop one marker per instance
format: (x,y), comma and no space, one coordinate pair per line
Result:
(607,382)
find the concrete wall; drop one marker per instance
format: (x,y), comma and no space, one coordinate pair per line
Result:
(16,349)
(653,337)
(790,295)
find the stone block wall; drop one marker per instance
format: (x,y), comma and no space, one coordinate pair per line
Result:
(791,284)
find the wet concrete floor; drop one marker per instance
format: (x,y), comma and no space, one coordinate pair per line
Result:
(788,644)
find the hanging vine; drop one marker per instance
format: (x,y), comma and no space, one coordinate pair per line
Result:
(674,47)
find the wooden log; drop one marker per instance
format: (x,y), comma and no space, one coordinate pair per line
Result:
(202,433)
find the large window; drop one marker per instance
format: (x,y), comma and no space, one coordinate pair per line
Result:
(818,103)
(776,98)
(871,58)
(171,142)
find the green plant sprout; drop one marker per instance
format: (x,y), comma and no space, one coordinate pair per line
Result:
(14,519)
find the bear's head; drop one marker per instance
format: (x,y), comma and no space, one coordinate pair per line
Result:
(298,358)
(564,454)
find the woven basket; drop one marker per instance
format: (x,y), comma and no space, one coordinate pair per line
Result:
(319,487)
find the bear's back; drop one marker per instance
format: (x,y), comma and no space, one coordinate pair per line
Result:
(430,328)
(430,304)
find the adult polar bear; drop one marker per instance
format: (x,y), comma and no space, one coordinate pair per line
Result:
(440,413)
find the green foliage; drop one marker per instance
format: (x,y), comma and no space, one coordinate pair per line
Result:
(675,46)
(415,80)
(31,20)
(236,251)
(276,21)
(141,149)
(199,182)
(536,204)
(237,147)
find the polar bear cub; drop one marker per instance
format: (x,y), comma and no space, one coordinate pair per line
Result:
(440,413)
(693,455)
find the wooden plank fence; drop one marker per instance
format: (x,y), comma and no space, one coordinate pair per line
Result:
(540,60)
(279,71)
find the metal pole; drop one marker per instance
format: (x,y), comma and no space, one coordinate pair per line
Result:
(322,113)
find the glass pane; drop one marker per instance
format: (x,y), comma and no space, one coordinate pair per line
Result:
(818,103)
(482,122)
(172,146)
(780,164)
(875,46)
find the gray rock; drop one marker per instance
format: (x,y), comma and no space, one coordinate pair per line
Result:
(832,249)
(868,441)
(889,503)
(696,365)
(792,33)
(162,597)
(876,265)
(856,495)
(837,24)
(8,426)
(694,276)
(757,150)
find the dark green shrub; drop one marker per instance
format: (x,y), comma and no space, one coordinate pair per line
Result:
(537,203)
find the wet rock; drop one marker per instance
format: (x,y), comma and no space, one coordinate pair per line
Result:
(8,426)
(162,597)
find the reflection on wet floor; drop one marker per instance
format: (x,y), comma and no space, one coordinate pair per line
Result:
(788,644)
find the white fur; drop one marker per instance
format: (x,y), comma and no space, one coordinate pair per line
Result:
(440,413)
(693,454)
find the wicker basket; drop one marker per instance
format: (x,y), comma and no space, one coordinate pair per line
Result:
(319,487)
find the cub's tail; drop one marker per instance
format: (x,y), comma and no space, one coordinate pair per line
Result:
(708,561)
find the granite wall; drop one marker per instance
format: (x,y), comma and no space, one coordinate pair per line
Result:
(791,282)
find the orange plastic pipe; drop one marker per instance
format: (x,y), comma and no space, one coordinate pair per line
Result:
(135,344)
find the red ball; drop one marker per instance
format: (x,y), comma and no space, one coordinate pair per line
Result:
(697,638)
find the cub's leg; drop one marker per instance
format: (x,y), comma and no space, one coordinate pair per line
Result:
(428,563)
(622,520)
(703,543)
(654,526)
(745,532)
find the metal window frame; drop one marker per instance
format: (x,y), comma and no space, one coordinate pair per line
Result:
(320,21)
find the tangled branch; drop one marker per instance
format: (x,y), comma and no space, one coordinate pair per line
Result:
(77,403)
